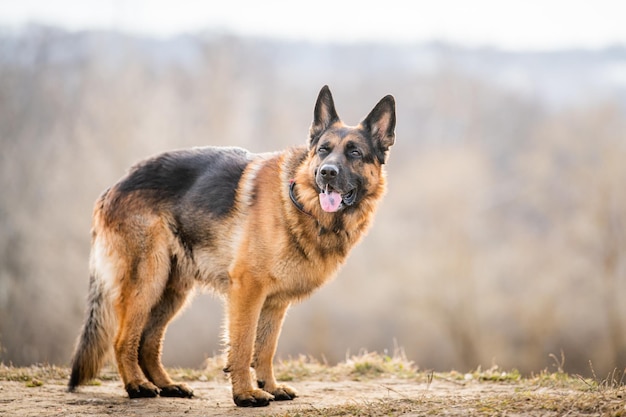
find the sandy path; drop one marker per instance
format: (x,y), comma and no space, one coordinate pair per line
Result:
(378,397)
(212,398)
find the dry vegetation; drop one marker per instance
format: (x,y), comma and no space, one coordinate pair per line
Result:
(502,237)
(364,385)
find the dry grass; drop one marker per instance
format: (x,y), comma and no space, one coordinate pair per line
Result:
(364,366)
(490,392)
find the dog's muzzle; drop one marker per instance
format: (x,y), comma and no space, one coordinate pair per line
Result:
(333,195)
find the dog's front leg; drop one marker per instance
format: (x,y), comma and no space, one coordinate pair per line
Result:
(246,298)
(268,330)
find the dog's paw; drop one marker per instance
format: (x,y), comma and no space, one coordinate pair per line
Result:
(177,390)
(141,390)
(253,398)
(284,393)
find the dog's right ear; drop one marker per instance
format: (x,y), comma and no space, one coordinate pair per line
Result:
(324,115)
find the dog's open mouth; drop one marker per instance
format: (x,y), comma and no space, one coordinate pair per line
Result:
(331,200)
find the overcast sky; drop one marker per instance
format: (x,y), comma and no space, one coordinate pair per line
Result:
(508,24)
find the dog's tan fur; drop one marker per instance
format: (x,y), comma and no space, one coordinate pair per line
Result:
(260,251)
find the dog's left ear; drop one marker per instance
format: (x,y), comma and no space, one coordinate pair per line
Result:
(381,123)
(324,115)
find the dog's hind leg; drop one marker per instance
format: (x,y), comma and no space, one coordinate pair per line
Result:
(150,347)
(142,285)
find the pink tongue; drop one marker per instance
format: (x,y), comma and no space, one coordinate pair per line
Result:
(330,201)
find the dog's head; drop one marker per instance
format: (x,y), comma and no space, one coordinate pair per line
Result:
(347,160)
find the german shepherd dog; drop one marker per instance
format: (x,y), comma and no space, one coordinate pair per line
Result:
(262,230)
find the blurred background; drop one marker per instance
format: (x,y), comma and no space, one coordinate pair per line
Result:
(502,238)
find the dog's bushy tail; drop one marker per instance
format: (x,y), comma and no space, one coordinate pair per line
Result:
(95,341)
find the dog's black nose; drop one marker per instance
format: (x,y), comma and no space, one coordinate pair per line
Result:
(329,171)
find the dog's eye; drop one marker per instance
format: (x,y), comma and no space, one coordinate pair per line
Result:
(323,150)
(355,153)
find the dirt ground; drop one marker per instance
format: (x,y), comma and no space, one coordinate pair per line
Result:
(211,398)
(27,394)
(375,397)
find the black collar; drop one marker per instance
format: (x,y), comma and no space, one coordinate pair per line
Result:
(294,200)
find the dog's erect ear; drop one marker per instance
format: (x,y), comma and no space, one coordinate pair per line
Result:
(381,123)
(324,115)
